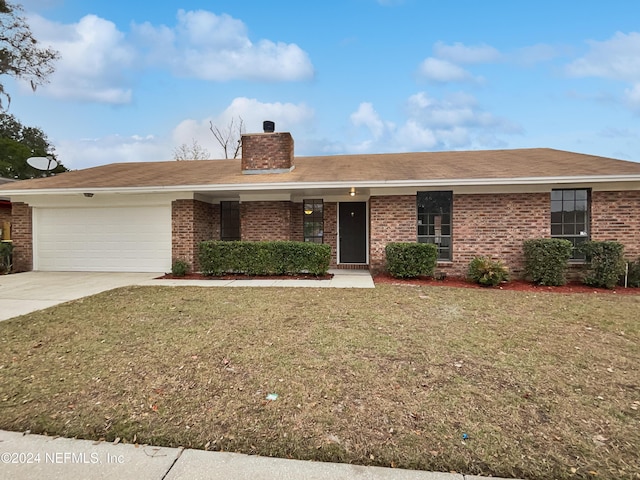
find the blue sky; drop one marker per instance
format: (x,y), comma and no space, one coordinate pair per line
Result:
(137,79)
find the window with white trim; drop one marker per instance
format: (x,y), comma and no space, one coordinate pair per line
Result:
(570,216)
(313,220)
(435,220)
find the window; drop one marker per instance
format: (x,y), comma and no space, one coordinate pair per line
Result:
(434,221)
(570,216)
(229,220)
(313,223)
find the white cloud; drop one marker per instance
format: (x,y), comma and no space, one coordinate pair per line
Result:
(85,153)
(453,122)
(460,53)
(534,54)
(94,58)
(438,70)
(366,116)
(632,96)
(616,58)
(217,47)
(97,60)
(287,117)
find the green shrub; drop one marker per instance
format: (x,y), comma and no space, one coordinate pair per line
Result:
(605,263)
(5,257)
(487,272)
(409,260)
(180,268)
(263,258)
(633,276)
(546,260)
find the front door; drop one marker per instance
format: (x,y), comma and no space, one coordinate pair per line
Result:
(352,231)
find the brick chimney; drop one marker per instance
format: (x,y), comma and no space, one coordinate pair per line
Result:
(268,152)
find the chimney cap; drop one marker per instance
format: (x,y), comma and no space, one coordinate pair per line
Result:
(268,126)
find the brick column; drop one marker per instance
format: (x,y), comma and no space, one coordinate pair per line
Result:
(192,222)
(22,236)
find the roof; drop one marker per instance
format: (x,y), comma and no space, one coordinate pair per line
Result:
(497,166)
(6,180)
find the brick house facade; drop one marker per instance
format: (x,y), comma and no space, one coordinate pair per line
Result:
(497,200)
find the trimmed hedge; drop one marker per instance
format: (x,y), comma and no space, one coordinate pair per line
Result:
(546,260)
(487,272)
(409,260)
(218,257)
(605,263)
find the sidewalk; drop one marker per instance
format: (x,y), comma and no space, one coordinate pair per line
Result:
(341,279)
(29,456)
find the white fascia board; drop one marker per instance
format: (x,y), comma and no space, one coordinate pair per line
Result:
(252,187)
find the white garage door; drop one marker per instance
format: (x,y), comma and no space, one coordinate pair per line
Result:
(119,239)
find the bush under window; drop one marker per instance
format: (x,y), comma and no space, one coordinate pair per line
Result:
(605,263)
(410,260)
(546,260)
(487,272)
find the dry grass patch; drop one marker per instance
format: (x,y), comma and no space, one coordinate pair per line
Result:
(543,385)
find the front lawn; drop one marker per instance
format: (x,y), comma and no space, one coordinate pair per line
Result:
(489,382)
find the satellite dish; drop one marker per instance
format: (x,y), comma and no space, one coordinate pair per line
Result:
(43,163)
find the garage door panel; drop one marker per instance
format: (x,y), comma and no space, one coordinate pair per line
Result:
(135,239)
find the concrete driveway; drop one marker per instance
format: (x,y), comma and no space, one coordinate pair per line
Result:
(22,293)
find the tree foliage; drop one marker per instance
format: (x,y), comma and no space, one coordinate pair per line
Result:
(20,53)
(19,142)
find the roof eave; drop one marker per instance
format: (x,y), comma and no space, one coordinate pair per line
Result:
(328,185)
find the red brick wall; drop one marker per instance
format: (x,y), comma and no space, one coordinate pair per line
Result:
(265,151)
(261,221)
(192,222)
(495,225)
(616,216)
(489,224)
(392,219)
(330,219)
(297,221)
(22,236)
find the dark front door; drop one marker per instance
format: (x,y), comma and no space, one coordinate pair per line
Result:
(353,232)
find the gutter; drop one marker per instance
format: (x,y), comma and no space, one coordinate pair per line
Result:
(244,187)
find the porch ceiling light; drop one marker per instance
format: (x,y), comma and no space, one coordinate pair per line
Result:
(88,195)
(352,192)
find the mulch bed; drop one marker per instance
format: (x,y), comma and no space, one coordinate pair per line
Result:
(516,285)
(199,276)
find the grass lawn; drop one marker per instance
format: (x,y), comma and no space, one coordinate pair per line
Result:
(541,385)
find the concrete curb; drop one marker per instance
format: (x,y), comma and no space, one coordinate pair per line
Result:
(29,456)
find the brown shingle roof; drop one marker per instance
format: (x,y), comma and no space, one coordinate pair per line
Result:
(464,165)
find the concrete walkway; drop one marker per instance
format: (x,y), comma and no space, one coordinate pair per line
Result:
(23,293)
(341,279)
(25,457)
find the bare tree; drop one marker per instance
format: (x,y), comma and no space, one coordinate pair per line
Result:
(20,53)
(230,137)
(190,152)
